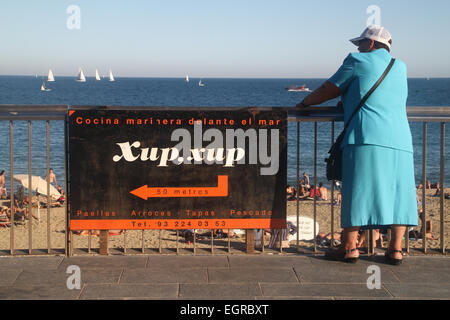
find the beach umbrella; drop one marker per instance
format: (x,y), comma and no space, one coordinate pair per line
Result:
(38,185)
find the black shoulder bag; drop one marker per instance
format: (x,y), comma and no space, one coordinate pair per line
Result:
(334,161)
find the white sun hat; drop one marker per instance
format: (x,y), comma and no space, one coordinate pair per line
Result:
(374,32)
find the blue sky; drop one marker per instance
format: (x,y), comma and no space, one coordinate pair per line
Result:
(232,38)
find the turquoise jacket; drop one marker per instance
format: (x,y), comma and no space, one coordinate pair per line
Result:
(382,120)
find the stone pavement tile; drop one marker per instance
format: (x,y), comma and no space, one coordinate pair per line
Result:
(342,273)
(130,291)
(149,275)
(419,290)
(56,277)
(271,261)
(430,262)
(413,274)
(32,262)
(219,291)
(7,277)
(186,261)
(30,292)
(105,262)
(321,290)
(255,274)
(320,260)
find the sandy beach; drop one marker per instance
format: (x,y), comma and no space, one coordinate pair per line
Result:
(133,238)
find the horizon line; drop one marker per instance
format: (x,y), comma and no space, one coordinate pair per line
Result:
(196,77)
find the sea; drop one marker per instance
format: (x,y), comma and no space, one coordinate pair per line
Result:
(176,92)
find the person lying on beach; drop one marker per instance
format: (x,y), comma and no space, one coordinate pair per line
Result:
(291,193)
(96,233)
(314,193)
(327,239)
(21,211)
(4,214)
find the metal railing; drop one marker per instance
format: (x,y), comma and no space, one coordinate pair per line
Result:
(314,115)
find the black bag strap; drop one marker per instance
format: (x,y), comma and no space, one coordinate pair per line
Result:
(361,103)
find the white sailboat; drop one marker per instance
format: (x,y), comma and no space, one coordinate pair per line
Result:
(81,77)
(187,78)
(50,77)
(111,77)
(43,88)
(200,83)
(97,76)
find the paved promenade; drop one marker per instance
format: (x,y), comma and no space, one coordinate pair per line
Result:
(222,277)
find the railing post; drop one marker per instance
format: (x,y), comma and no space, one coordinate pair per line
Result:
(250,240)
(11,191)
(49,200)
(30,194)
(298,184)
(104,234)
(442,186)
(315,185)
(332,192)
(424,183)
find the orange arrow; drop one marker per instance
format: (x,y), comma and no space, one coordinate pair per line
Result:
(221,190)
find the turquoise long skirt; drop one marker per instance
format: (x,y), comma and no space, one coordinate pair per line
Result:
(378,187)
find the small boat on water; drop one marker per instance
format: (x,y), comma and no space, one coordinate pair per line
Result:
(81,77)
(187,78)
(97,76)
(200,83)
(43,88)
(298,89)
(50,77)
(111,77)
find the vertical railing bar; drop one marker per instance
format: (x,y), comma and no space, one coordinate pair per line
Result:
(262,242)
(125,242)
(30,193)
(442,186)
(89,241)
(229,241)
(143,241)
(49,204)
(195,238)
(68,234)
(11,191)
(160,241)
(366,236)
(424,176)
(177,241)
(315,184)
(406,238)
(281,239)
(212,241)
(370,240)
(298,185)
(332,192)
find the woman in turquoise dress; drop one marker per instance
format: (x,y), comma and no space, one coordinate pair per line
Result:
(378,187)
